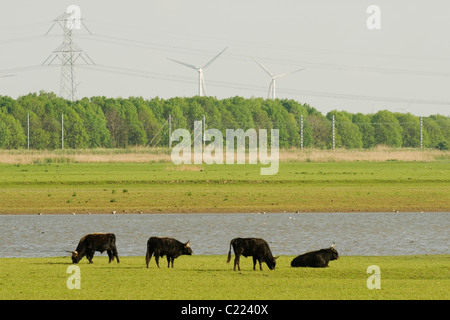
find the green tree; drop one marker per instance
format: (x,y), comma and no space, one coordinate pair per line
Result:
(410,129)
(95,124)
(347,133)
(387,129)
(11,131)
(5,135)
(432,134)
(150,123)
(115,121)
(366,128)
(320,131)
(172,108)
(444,125)
(75,134)
(240,111)
(136,132)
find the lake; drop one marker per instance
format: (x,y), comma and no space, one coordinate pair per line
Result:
(286,233)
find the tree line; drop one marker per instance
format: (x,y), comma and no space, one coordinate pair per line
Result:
(102,122)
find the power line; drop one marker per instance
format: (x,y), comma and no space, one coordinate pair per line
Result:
(224,84)
(171,48)
(263,45)
(163,47)
(232,85)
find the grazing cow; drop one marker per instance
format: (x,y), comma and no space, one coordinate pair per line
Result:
(255,247)
(169,247)
(316,259)
(95,242)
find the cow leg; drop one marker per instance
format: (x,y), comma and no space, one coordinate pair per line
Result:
(254,263)
(115,254)
(89,256)
(148,256)
(168,262)
(157,260)
(110,255)
(172,259)
(236,262)
(322,263)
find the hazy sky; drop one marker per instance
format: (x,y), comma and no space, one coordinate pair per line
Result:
(404,66)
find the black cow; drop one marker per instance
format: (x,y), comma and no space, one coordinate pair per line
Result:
(255,247)
(95,242)
(316,259)
(169,247)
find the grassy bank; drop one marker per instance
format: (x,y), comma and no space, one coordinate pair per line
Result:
(155,187)
(210,277)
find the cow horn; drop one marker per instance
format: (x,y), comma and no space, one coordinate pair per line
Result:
(332,245)
(188,243)
(276,257)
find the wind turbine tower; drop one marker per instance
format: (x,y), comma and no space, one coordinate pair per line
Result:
(274,77)
(201,79)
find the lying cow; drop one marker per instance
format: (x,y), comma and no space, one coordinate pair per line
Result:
(95,242)
(255,247)
(316,259)
(169,247)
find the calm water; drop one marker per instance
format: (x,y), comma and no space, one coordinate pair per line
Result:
(286,233)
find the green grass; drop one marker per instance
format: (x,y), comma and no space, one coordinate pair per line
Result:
(210,277)
(164,187)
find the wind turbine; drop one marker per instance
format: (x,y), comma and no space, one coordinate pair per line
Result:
(272,83)
(201,80)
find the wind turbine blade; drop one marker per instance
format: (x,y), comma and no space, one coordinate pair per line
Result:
(264,68)
(184,64)
(7,75)
(210,61)
(288,73)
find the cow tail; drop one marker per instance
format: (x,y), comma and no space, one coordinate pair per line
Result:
(148,256)
(229,252)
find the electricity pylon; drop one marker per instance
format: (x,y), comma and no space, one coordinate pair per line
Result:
(68,52)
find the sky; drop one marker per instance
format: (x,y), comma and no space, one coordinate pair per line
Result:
(401,66)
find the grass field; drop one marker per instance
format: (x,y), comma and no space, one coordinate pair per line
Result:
(143,181)
(158,187)
(210,277)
